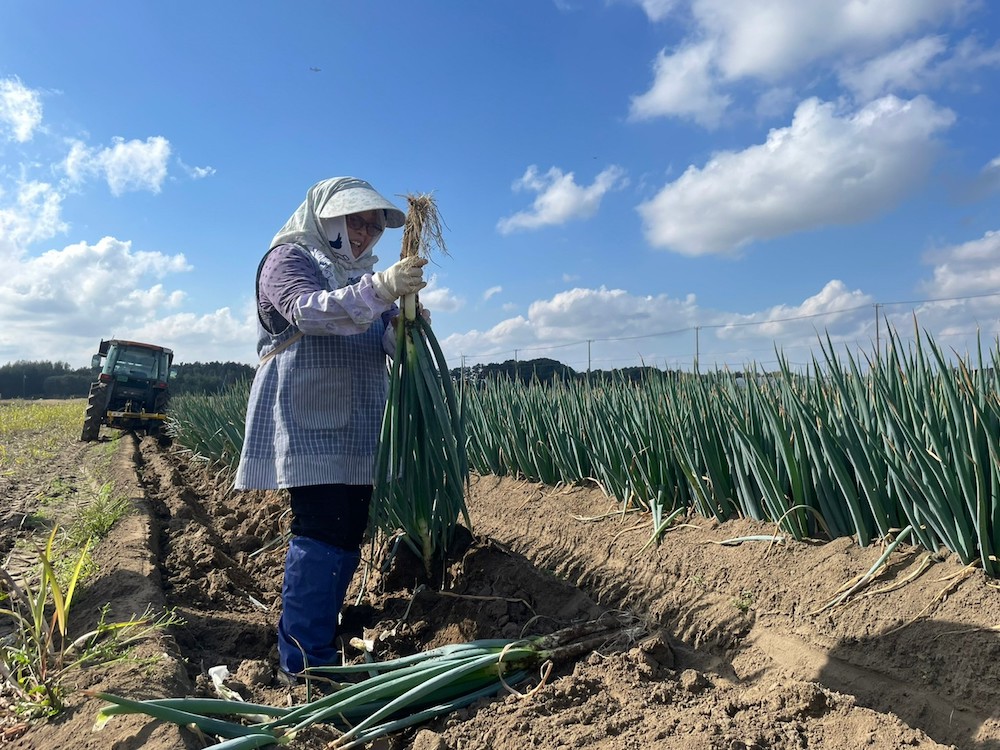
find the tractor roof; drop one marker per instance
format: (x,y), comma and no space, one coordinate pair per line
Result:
(106,343)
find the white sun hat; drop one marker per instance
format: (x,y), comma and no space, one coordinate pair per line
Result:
(339,196)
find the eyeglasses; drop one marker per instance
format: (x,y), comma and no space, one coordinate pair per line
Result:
(357,223)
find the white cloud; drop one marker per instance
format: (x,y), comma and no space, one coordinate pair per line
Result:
(20,109)
(684,85)
(989,178)
(196,173)
(983,184)
(823,169)
(217,336)
(34,214)
(126,165)
(606,328)
(596,313)
(77,279)
(573,317)
(775,101)
(438,298)
(918,65)
(778,42)
(769,39)
(962,307)
(966,270)
(656,10)
(65,300)
(492,291)
(903,69)
(969,56)
(559,199)
(831,306)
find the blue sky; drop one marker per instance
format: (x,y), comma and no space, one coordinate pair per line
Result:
(623,181)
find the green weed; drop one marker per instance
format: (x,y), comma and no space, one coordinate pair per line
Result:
(39,653)
(744,602)
(96,518)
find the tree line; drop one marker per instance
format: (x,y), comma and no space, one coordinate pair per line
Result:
(24,379)
(44,379)
(544,370)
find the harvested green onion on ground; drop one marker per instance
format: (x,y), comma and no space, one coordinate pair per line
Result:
(401,693)
(421,469)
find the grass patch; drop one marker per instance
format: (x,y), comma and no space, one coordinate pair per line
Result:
(96,518)
(42,650)
(32,431)
(41,416)
(77,506)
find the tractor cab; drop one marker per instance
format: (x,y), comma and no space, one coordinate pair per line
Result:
(130,360)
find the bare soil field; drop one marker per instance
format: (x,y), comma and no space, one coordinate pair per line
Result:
(737,650)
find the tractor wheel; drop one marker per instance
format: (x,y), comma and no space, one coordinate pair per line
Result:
(154,427)
(96,402)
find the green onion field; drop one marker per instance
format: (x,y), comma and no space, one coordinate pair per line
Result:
(779,559)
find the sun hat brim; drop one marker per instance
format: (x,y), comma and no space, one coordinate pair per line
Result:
(349,195)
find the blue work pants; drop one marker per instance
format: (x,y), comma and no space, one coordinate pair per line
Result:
(328,526)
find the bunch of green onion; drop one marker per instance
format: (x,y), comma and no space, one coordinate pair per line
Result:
(421,467)
(400,693)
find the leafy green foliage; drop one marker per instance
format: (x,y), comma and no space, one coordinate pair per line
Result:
(859,448)
(208,378)
(209,427)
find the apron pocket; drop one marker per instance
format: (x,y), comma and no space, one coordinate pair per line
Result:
(321,397)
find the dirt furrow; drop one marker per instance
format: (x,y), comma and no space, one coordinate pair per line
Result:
(743,614)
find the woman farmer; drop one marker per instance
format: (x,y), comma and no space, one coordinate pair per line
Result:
(318,396)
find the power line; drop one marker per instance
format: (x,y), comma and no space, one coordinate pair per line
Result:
(943,299)
(785,320)
(743,324)
(649,335)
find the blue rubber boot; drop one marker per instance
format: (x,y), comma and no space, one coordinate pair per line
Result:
(348,566)
(313,590)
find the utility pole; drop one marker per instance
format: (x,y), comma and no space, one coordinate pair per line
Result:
(697,346)
(589,341)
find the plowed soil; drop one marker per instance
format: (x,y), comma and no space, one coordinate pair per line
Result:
(737,650)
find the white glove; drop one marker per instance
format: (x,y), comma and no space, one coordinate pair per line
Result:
(399,279)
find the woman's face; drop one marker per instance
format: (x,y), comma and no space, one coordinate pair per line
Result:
(363,228)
